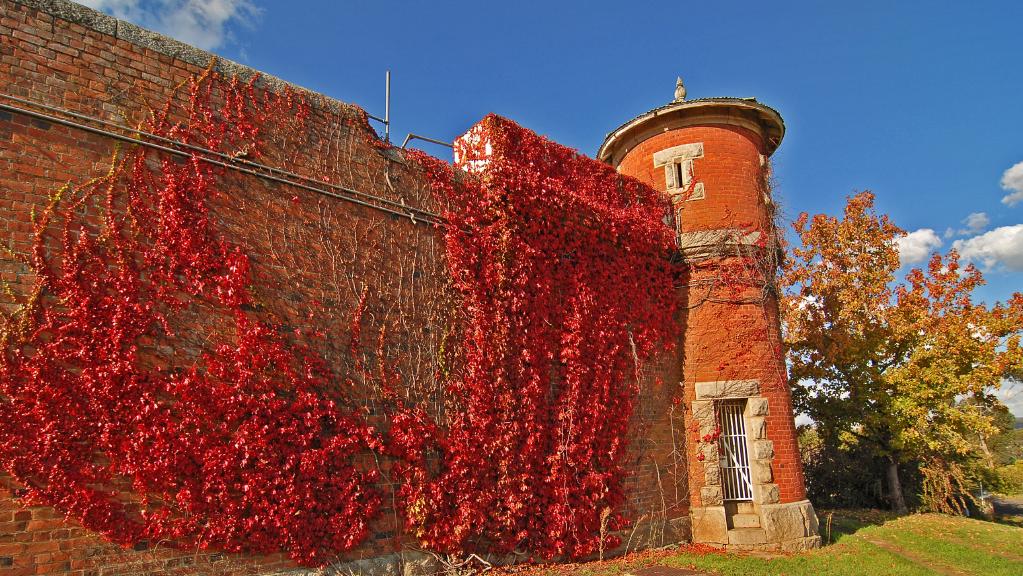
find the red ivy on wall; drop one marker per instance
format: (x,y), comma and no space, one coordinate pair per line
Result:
(561,265)
(246,447)
(567,290)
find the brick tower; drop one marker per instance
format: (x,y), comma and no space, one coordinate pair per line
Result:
(710,156)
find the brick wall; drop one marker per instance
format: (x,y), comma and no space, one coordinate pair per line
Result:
(321,252)
(732,326)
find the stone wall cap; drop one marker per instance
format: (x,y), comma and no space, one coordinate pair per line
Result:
(162,44)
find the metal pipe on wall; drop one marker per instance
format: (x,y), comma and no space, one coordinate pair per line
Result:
(418,215)
(387,106)
(412,136)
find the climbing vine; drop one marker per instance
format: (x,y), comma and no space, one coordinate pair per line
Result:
(116,412)
(245,446)
(567,290)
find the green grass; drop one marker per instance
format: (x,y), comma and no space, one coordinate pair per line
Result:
(862,543)
(875,544)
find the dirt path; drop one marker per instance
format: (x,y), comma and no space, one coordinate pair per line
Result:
(987,550)
(914,558)
(1007,505)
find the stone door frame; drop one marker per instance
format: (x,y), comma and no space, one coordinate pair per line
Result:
(789,526)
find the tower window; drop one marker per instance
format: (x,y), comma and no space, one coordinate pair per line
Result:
(679,171)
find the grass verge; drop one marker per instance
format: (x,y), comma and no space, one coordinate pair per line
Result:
(864,543)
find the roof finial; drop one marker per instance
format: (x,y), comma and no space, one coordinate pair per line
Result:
(680,90)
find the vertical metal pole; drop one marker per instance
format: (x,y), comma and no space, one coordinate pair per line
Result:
(387,107)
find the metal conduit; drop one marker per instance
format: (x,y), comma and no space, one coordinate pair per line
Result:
(232,159)
(418,215)
(411,137)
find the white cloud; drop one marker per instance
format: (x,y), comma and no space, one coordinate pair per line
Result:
(1012,181)
(1011,394)
(976,222)
(123,9)
(1001,247)
(201,23)
(917,246)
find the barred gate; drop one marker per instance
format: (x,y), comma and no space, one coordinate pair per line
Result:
(734,451)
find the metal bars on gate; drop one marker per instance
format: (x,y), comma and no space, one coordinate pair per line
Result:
(734,451)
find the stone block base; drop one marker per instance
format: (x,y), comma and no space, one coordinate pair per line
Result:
(786,522)
(406,563)
(709,525)
(788,527)
(801,544)
(798,545)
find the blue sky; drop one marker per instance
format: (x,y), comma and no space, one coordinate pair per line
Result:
(921,102)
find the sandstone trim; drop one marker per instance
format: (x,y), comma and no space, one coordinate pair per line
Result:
(791,526)
(684,151)
(717,243)
(710,525)
(726,389)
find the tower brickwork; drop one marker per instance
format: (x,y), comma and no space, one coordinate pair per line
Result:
(711,158)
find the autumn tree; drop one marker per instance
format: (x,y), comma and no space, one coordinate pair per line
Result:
(906,367)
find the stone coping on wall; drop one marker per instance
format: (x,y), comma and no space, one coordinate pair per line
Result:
(161,44)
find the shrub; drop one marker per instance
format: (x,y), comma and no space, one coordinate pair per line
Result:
(1010,478)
